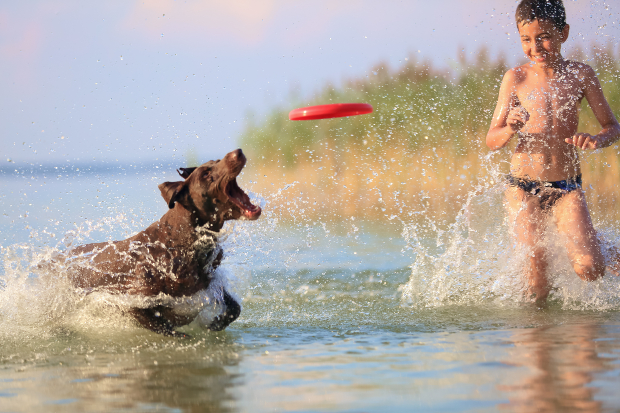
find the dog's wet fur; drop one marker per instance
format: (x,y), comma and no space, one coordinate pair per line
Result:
(177,255)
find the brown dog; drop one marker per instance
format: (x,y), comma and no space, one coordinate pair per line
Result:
(176,256)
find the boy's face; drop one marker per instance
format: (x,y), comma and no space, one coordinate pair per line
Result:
(542,41)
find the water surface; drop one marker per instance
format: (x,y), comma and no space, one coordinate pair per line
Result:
(399,315)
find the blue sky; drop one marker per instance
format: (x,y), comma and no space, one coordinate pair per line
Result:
(139,81)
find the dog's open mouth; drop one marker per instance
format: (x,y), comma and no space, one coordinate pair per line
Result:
(239,198)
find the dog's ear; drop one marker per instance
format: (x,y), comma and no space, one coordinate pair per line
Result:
(186,172)
(174,192)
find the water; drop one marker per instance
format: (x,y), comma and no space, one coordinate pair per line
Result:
(406,314)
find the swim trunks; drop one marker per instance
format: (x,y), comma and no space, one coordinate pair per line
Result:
(549,192)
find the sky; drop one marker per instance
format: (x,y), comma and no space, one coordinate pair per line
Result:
(145,81)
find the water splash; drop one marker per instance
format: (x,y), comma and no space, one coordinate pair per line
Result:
(37,298)
(308,271)
(475,261)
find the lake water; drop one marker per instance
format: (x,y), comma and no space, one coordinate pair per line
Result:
(405,314)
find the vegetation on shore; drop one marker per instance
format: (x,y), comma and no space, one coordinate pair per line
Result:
(422,146)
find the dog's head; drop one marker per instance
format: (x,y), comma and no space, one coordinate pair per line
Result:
(210,192)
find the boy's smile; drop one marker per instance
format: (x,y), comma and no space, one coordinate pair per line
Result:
(542,41)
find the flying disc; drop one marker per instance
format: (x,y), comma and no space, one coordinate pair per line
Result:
(334,110)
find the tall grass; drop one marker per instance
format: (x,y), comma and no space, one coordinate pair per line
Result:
(423,146)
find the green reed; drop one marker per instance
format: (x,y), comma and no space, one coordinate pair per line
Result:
(421,105)
(429,121)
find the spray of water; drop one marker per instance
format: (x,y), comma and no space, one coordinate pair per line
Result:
(38,299)
(472,260)
(475,261)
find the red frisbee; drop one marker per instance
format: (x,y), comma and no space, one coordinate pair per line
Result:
(335,110)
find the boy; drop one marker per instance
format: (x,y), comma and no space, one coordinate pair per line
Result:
(539,102)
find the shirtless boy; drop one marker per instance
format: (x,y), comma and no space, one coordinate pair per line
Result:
(539,104)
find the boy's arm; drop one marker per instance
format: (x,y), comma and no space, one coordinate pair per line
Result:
(508,117)
(611,129)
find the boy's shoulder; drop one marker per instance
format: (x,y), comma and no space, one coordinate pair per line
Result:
(520,73)
(576,64)
(517,74)
(577,67)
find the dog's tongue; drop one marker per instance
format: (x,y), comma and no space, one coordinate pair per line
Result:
(239,198)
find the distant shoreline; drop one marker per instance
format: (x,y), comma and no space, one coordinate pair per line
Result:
(96,167)
(17,169)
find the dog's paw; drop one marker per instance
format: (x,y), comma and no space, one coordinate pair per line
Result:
(230,314)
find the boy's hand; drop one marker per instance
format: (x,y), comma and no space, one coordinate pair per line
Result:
(517,118)
(584,141)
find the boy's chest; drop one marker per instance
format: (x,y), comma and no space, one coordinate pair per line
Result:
(547,96)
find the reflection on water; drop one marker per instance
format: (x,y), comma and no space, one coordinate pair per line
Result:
(564,364)
(154,375)
(566,367)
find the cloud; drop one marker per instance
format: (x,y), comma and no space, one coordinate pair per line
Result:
(19,39)
(20,47)
(243,21)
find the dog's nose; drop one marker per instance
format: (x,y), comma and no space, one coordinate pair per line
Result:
(237,156)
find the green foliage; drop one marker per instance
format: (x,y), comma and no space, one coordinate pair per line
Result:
(415,103)
(607,67)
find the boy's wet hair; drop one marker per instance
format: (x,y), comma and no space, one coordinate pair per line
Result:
(549,10)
